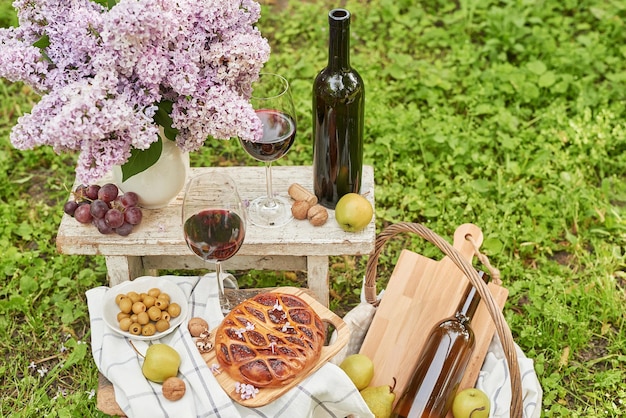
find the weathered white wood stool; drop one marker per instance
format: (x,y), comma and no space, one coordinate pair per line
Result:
(158,242)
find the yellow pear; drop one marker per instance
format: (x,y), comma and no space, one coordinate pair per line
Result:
(161,361)
(379,399)
(359,368)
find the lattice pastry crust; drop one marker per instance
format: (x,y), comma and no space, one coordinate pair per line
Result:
(269,339)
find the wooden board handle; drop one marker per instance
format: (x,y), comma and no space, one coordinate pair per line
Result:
(343,332)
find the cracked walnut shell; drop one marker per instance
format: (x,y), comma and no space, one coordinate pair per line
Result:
(299,209)
(197,326)
(318,215)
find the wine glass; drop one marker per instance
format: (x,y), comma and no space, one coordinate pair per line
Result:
(214,222)
(273,104)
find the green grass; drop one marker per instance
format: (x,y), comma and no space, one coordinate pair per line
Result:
(508,114)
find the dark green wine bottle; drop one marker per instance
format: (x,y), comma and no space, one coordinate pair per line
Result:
(338,110)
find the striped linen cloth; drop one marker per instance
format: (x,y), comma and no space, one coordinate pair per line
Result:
(326,393)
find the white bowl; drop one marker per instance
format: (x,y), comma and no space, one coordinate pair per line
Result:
(142,285)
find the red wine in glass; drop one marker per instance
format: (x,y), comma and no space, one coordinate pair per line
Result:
(214,234)
(214,223)
(273,104)
(279,132)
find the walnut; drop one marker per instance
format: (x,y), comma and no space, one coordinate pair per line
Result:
(317,215)
(299,209)
(197,326)
(173,388)
(203,342)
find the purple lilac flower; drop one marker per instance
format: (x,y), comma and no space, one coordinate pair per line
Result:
(20,61)
(103,73)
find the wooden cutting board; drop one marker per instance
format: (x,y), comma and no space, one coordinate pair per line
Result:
(420,293)
(267,395)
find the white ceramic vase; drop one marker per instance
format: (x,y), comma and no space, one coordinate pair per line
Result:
(158,185)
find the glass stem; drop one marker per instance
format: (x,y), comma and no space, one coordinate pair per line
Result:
(269,202)
(224,304)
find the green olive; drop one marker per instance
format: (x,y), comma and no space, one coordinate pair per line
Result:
(143,318)
(173,309)
(134,296)
(149,301)
(154,313)
(138,307)
(162,325)
(135,329)
(148,330)
(161,303)
(122,315)
(126,305)
(125,324)
(119,297)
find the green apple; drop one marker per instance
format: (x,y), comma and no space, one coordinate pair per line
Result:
(353,212)
(471,403)
(379,400)
(161,361)
(359,368)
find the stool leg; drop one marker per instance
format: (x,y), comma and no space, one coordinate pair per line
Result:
(317,277)
(123,268)
(105,398)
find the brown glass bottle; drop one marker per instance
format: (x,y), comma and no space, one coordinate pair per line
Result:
(338,110)
(441,365)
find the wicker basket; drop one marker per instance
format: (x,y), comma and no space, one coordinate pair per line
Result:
(502,328)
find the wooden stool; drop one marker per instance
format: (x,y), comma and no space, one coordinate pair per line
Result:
(158,242)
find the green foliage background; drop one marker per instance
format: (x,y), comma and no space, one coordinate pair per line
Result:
(509,114)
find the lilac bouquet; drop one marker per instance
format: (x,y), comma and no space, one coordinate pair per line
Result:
(111,77)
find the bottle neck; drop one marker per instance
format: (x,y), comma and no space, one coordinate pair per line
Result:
(469,303)
(339,39)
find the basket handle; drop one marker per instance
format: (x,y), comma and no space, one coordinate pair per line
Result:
(470,272)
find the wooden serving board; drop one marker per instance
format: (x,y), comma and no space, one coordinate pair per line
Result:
(420,293)
(267,395)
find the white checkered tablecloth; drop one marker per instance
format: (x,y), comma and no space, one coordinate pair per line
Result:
(326,393)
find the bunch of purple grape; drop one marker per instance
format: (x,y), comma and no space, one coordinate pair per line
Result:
(104,207)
